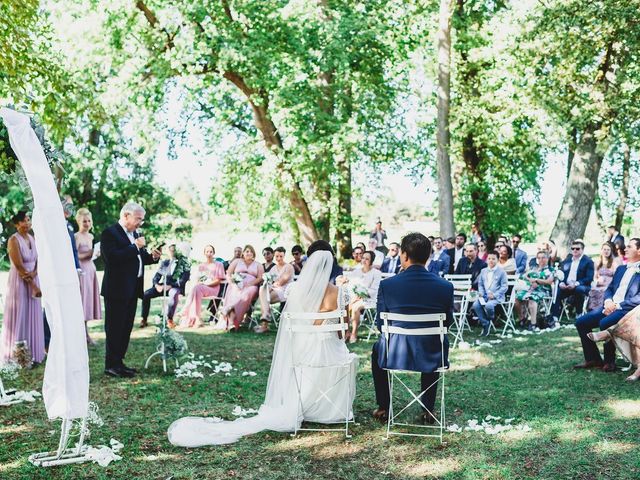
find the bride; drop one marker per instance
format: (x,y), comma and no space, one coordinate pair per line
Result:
(312,292)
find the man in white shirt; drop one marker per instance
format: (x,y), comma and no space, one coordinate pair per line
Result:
(622,296)
(457,252)
(492,287)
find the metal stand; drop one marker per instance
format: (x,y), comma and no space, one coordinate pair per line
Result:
(7,397)
(161,349)
(65,454)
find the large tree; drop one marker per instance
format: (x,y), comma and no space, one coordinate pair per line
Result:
(584,70)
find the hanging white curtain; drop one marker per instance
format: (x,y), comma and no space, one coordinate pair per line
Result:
(65,389)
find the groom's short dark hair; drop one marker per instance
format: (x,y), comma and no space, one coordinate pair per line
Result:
(417,247)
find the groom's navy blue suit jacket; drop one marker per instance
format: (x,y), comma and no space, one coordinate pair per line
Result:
(632,297)
(411,292)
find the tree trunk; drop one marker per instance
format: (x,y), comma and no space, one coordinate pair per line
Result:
(581,191)
(624,192)
(573,141)
(273,142)
(471,159)
(445,187)
(344,221)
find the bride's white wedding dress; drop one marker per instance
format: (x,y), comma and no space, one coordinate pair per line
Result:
(279,411)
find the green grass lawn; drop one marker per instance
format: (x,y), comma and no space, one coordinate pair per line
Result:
(585,425)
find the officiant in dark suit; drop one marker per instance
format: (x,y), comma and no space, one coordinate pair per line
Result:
(414,291)
(125,255)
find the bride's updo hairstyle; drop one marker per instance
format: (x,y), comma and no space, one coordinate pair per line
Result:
(417,247)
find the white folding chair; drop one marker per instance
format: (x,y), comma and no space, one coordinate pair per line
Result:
(300,365)
(461,291)
(388,329)
(509,304)
(369,318)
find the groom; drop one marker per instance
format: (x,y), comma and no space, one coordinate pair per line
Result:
(125,255)
(413,291)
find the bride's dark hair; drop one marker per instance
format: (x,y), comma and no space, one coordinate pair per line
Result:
(319,245)
(323,245)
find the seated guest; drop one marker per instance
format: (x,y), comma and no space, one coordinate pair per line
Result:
(243,277)
(483,251)
(449,244)
(178,271)
(457,252)
(274,291)
(604,270)
(492,286)
(625,335)
(210,276)
(415,291)
(471,265)
(377,262)
(391,263)
(622,296)
(356,255)
(439,261)
(578,275)
(369,281)
(361,245)
(297,263)
(554,260)
(237,253)
(519,255)
(539,279)
(267,253)
(506,260)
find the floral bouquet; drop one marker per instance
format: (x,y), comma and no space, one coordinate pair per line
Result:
(238,279)
(22,354)
(360,291)
(558,275)
(175,346)
(268,278)
(9,371)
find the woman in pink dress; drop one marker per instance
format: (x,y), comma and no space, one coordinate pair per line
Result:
(605,268)
(211,274)
(89,289)
(23,319)
(244,277)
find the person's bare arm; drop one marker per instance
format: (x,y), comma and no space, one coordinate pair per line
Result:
(14,254)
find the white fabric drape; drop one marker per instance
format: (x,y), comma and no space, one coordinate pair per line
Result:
(65,388)
(279,410)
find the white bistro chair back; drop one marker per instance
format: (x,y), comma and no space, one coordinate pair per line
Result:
(333,323)
(461,297)
(388,330)
(509,304)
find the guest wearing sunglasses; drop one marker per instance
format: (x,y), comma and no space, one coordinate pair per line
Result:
(578,272)
(482,250)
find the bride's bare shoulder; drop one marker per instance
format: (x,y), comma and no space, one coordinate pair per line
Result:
(330,300)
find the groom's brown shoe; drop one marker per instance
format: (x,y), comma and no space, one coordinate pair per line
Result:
(609,367)
(586,365)
(380,414)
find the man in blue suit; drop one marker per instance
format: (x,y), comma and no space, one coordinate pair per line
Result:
(391,263)
(439,261)
(622,296)
(414,291)
(492,287)
(519,255)
(578,272)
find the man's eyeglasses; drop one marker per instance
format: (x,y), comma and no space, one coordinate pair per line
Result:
(576,249)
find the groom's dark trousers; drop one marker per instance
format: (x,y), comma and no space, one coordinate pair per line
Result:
(412,292)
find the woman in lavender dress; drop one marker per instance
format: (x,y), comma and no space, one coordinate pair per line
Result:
(244,277)
(89,289)
(22,320)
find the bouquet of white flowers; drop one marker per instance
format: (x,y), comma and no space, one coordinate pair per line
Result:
(558,275)
(360,291)
(9,371)
(238,279)
(269,277)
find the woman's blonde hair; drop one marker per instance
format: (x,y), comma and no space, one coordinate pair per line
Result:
(81,213)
